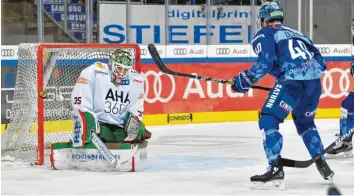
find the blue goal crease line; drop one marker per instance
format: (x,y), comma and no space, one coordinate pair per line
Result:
(73,62)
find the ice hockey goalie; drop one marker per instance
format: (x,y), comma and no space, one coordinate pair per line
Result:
(108,102)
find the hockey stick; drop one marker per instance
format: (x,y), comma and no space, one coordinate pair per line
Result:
(304,164)
(107,154)
(158,61)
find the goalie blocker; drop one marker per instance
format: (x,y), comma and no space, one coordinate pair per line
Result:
(81,152)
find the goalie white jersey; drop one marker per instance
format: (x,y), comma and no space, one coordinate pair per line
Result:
(95,91)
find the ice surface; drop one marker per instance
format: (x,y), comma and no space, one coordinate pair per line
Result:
(195,159)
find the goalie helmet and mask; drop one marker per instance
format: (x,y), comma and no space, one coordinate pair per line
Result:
(120,63)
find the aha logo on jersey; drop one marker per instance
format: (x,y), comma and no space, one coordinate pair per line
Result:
(116,102)
(117,96)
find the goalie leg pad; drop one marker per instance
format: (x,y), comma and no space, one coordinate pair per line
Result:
(63,156)
(84,123)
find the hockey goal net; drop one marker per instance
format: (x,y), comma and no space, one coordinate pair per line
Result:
(53,69)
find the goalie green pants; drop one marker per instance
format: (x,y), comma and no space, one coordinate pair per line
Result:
(113,134)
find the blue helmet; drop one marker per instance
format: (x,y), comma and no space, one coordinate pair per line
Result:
(270,11)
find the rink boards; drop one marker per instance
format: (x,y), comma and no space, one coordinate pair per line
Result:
(178,100)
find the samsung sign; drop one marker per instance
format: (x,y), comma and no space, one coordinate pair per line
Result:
(187,24)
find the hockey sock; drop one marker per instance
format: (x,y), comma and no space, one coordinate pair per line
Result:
(272,143)
(346,123)
(312,141)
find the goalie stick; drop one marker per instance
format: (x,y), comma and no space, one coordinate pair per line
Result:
(158,61)
(107,154)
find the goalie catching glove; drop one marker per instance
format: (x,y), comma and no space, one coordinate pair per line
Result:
(135,130)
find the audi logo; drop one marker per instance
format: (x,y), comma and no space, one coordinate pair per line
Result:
(7,52)
(157,87)
(180,51)
(324,50)
(222,51)
(143,52)
(328,82)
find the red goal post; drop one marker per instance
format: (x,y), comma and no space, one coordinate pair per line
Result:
(53,69)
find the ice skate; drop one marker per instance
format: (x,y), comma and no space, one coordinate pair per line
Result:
(274,174)
(324,170)
(341,151)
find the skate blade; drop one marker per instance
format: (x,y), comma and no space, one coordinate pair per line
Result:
(279,184)
(341,155)
(330,178)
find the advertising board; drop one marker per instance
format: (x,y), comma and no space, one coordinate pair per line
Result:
(76,16)
(186,24)
(173,100)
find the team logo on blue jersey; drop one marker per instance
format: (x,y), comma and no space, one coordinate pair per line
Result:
(310,114)
(285,106)
(273,97)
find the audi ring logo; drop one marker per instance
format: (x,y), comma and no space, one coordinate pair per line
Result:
(180,51)
(328,83)
(324,50)
(157,87)
(222,51)
(7,52)
(143,52)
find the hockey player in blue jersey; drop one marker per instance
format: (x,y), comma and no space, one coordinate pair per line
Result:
(297,66)
(346,122)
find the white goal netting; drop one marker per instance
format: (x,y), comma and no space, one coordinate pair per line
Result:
(61,68)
